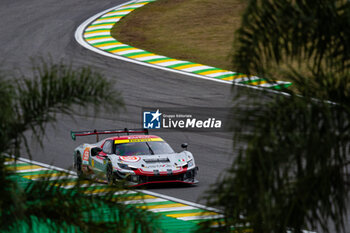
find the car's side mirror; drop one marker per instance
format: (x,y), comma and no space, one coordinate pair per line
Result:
(184,145)
(95,151)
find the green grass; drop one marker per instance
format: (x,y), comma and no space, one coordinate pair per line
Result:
(199,31)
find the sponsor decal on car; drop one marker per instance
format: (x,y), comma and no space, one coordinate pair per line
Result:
(160,166)
(138,140)
(129,158)
(86,156)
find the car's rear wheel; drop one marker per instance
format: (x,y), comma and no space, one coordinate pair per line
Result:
(109,173)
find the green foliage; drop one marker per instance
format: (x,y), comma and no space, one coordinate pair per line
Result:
(293,171)
(10,199)
(7,94)
(323,85)
(29,103)
(46,206)
(313,32)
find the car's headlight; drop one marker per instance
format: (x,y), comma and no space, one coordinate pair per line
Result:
(123,166)
(190,163)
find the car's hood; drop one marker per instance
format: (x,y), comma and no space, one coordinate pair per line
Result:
(163,162)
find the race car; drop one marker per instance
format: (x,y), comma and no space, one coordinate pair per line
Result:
(135,156)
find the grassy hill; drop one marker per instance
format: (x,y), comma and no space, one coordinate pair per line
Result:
(195,30)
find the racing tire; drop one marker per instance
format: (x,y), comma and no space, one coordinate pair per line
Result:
(109,174)
(79,167)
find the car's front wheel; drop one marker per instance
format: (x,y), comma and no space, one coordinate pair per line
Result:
(109,173)
(79,167)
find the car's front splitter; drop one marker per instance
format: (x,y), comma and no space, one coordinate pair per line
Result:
(166,182)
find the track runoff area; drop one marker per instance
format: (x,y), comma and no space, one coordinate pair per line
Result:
(175,215)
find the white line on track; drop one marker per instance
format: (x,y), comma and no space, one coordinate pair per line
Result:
(172,209)
(221,73)
(201,217)
(174,199)
(151,200)
(46,166)
(13,162)
(31,170)
(53,177)
(246,79)
(124,192)
(196,68)
(81,186)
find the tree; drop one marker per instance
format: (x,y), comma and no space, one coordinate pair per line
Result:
(29,103)
(302,33)
(293,172)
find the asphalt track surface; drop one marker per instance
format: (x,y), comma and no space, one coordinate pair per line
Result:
(45,28)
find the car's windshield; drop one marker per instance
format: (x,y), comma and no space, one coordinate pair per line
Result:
(143,148)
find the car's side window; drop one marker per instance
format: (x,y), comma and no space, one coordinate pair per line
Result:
(107,147)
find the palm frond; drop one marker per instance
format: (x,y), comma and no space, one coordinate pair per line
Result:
(315,32)
(55,88)
(47,205)
(7,93)
(294,173)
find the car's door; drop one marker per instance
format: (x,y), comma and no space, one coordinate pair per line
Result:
(99,161)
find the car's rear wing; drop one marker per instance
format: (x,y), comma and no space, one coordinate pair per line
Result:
(96,132)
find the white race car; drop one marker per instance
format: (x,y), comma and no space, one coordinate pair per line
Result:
(138,158)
